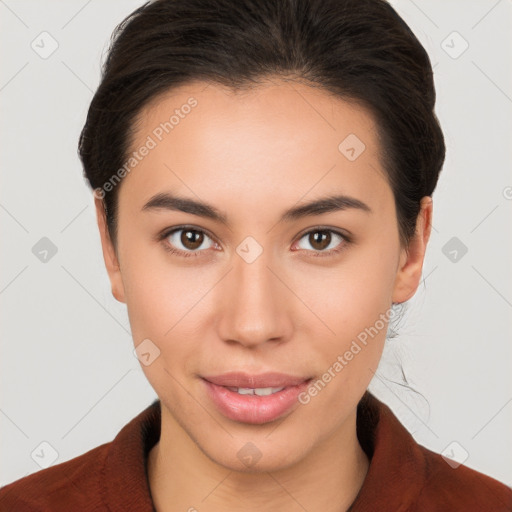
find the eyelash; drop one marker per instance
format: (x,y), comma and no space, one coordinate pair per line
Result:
(186,254)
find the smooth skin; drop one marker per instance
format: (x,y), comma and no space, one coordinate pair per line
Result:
(295,309)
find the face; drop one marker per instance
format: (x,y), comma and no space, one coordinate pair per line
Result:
(256,290)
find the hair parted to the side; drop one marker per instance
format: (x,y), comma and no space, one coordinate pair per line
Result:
(359,50)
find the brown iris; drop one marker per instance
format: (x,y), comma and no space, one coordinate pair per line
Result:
(322,238)
(191,239)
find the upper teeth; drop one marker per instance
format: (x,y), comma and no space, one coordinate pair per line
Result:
(256,391)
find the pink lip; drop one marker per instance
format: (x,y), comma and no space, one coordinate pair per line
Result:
(254,409)
(263,380)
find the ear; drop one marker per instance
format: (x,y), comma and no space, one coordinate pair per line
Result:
(109,253)
(411,259)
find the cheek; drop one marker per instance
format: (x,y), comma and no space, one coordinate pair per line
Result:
(169,304)
(353,300)
(351,295)
(163,304)
(157,294)
(160,296)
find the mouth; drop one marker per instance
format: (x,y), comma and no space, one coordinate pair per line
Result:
(254,399)
(262,380)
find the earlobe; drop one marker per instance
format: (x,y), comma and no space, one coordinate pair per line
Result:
(109,253)
(411,259)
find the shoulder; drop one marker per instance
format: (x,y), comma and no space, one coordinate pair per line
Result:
(110,477)
(70,485)
(449,486)
(405,475)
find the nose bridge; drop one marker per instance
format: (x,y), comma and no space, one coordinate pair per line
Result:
(255,310)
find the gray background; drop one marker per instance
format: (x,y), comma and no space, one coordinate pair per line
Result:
(69,378)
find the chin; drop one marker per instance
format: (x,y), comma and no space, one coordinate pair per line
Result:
(254,454)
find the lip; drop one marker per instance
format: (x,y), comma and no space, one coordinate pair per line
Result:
(262,380)
(254,409)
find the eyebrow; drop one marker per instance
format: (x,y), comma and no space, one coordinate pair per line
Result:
(328,204)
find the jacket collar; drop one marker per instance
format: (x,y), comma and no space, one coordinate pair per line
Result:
(397,469)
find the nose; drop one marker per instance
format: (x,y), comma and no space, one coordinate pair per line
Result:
(256,305)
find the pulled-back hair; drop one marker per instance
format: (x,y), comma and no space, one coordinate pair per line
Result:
(359,50)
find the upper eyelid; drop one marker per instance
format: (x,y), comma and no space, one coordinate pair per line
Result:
(337,231)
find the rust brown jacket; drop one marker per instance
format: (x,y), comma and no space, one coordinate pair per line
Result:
(403,476)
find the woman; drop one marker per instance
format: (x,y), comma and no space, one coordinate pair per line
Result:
(263,176)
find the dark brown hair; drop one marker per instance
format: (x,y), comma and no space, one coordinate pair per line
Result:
(360,50)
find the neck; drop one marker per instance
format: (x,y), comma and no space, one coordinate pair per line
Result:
(327,479)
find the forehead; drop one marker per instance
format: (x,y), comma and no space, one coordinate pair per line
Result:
(279,135)
(303,110)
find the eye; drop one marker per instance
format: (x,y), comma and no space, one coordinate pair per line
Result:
(186,241)
(320,239)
